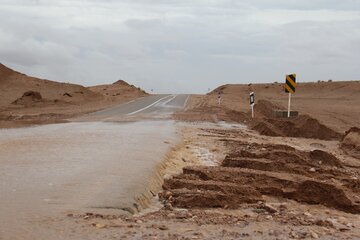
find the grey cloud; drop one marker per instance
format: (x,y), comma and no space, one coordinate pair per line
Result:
(180,46)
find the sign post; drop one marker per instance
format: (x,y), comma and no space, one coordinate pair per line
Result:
(290,87)
(289,105)
(252,103)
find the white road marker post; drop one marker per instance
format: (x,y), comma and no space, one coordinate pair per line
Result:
(252,103)
(289,105)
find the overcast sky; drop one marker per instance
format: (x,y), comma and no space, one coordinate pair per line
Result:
(181,45)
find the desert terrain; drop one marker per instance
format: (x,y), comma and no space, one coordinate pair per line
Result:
(27,100)
(234,177)
(333,103)
(226,176)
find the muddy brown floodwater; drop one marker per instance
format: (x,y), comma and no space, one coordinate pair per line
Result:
(49,170)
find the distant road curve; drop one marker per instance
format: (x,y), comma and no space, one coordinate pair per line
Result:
(154,106)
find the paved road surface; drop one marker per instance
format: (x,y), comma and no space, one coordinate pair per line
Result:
(154,107)
(46,171)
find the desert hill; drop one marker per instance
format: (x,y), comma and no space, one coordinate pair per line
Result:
(28,98)
(14,84)
(119,89)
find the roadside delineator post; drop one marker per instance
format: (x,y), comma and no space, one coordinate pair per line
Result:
(290,87)
(289,105)
(252,103)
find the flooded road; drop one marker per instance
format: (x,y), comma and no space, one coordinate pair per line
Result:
(151,107)
(47,171)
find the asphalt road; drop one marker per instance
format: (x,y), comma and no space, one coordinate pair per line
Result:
(48,171)
(151,107)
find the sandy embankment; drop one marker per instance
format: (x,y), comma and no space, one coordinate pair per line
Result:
(27,100)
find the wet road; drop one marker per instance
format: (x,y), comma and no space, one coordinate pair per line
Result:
(47,171)
(154,107)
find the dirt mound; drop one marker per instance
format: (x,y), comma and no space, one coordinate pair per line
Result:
(286,165)
(330,195)
(33,95)
(325,158)
(119,90)
(28,98)
(121,82)
(293,186)
(198,193)
(210,114)
(204,109)
(350,142)
(315,177)
(266,108)
(303,126)
(266,128)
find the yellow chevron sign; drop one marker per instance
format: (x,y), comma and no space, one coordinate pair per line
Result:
(290,84)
